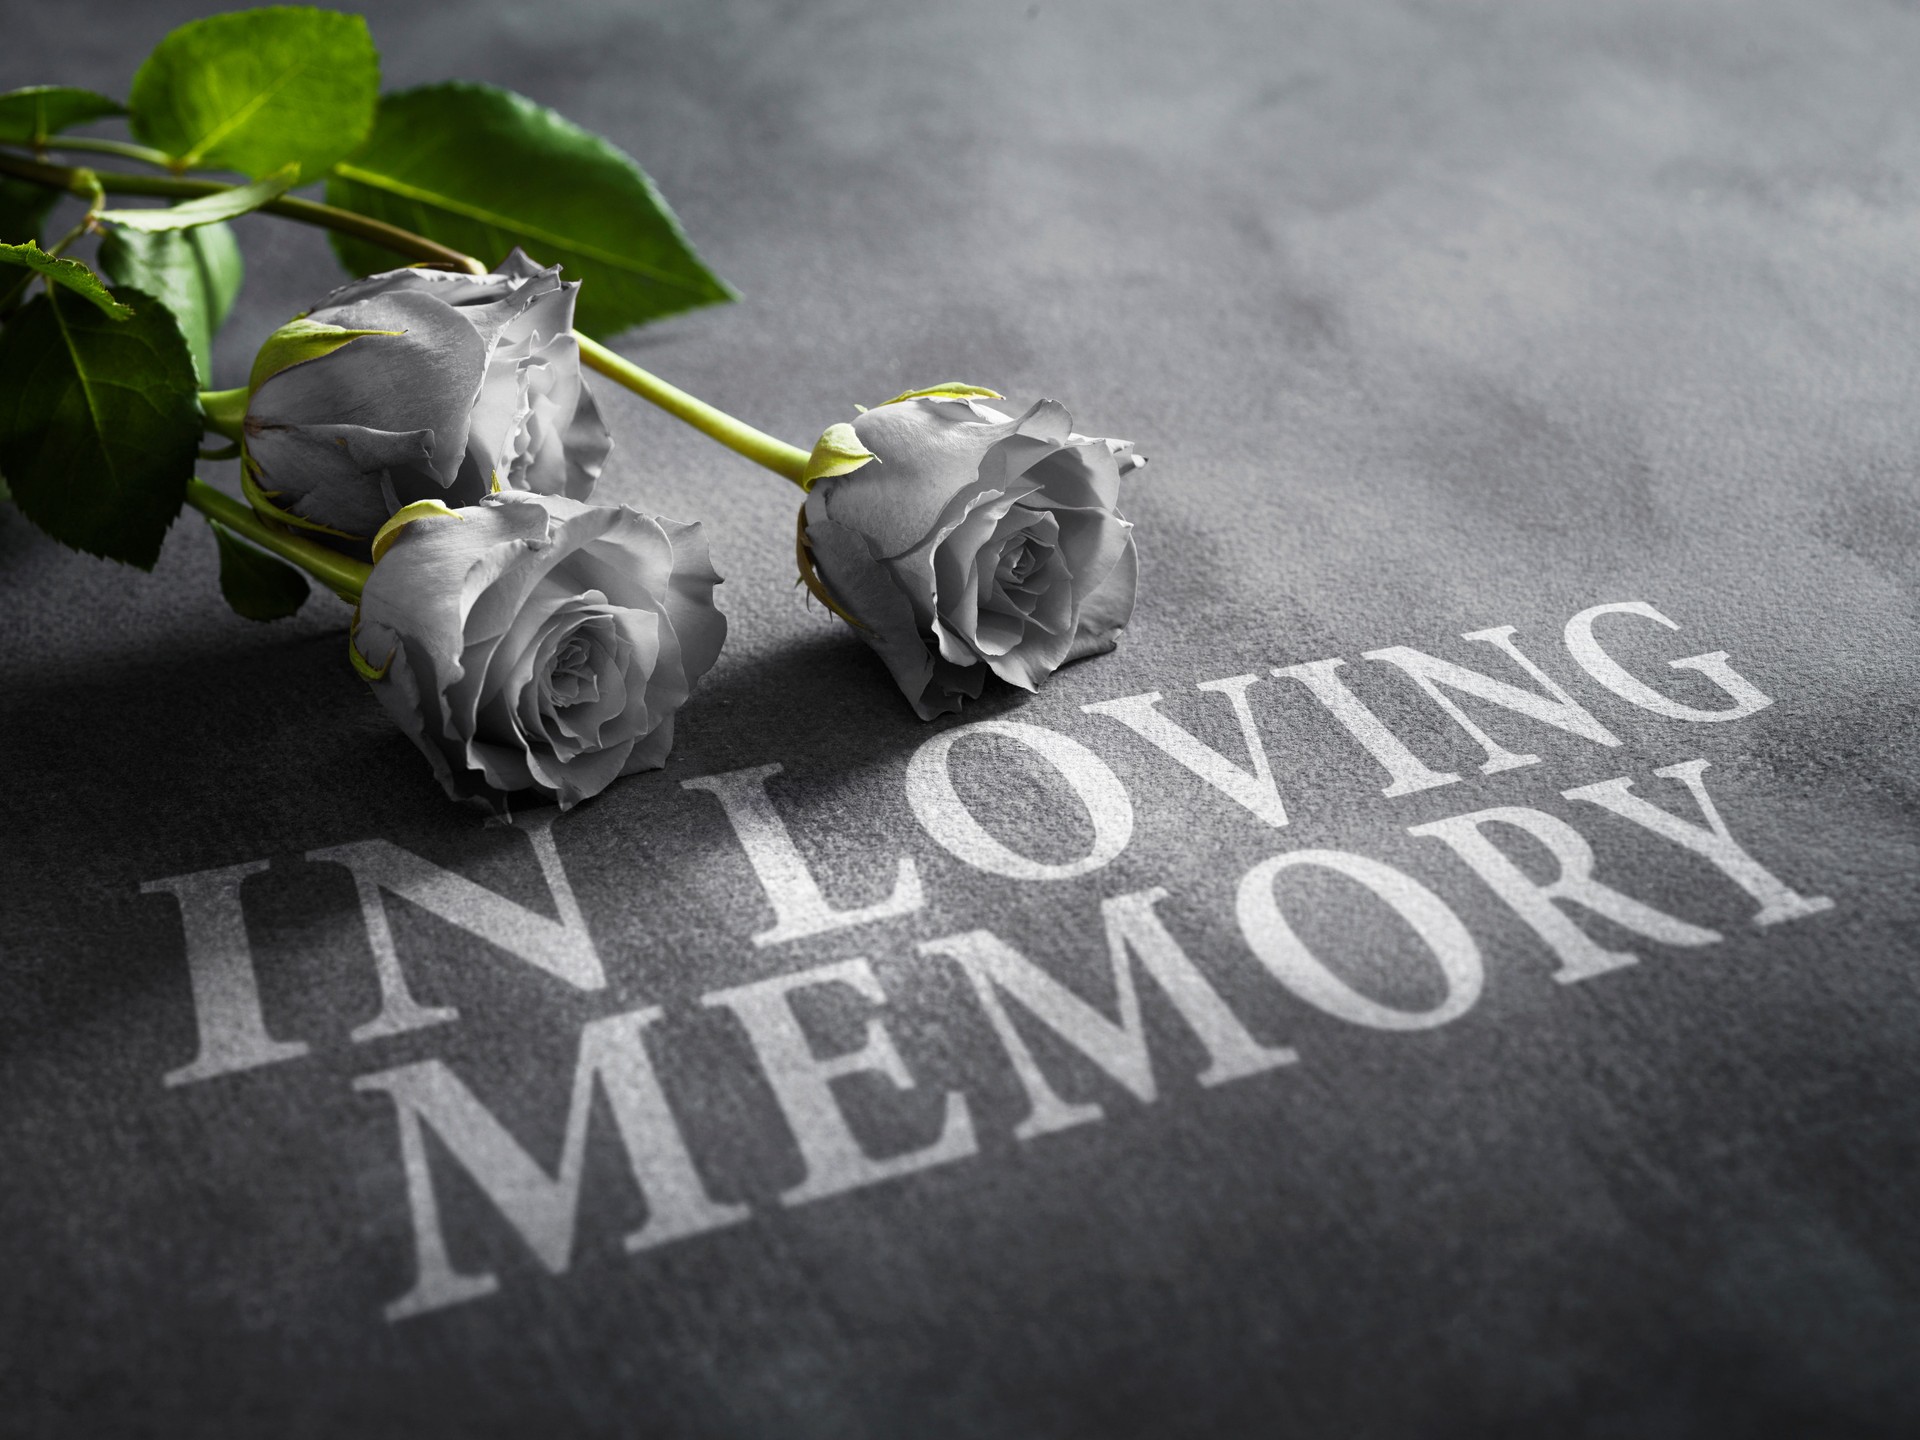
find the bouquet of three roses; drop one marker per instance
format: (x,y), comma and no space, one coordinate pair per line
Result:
(424,442)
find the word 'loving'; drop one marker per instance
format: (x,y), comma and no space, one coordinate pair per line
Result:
(613,1058)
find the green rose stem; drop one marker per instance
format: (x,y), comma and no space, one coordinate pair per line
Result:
(225,412)
(736,435)
(757,446)
(763,449)
(329,217)
(95,144)
(342,574)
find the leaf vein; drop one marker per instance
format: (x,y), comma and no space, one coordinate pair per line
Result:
(508,226)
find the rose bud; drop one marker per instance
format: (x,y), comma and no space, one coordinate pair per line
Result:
(421,384)
(531,643)
(959,540)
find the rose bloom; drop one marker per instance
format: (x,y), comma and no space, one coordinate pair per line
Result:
(975,542)
(533,643)
(422,384)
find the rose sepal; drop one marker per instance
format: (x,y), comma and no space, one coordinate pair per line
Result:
(298,341)
(383,541)
(419,510)
(947,390)
(810,575)
(838,451)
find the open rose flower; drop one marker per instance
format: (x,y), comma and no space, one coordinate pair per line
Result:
(421,384)
(533,643)
(968,541)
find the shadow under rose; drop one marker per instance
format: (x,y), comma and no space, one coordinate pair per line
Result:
(824,699)
(194,760)
(269,747)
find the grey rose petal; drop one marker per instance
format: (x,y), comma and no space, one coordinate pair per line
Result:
(613,637)
(495,655)
(965,567)
(616,711)
(1048,637)
(1000,540)
(493,304)
(1091,542)
(623,554)
(1080,476)
(956,577)
(549,449)
(699,628)
(1106,612)
(522,678)
(586,444)
(448,561)
(934,574)
(499,412)
(400,694)
(1030,625)
(496,610)
(596,710)
(500,765)
(1046,420)
(928,449)
(485,366)
(863,587)
(450,286)
(1121,450)
(583,777)
(520,266)
(331,474)
(659,566)
(650,750)
(670,681)
(426,378)
(534,643)
(547,315)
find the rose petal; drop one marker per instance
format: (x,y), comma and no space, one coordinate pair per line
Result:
(333,475)
(871,590)
(929,449)
(425,378)
(1105,612)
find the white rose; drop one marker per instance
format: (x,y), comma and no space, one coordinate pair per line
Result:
(422,384)
(972,542)
(534,643)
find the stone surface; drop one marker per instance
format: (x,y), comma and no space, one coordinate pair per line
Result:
(1433,319)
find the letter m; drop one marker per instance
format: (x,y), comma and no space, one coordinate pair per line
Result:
(543,1207)
(1118,1047)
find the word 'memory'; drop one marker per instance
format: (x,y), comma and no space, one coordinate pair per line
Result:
(614,1059)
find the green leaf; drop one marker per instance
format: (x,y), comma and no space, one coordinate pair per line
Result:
(32,115)
(208,209)
(258,89)
(23,210)
(99,423)
(62,271)
(257,585)
(484,170)
(194,273)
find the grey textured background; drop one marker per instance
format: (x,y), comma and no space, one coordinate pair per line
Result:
(1432,317)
